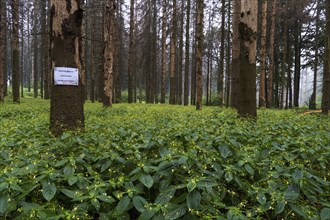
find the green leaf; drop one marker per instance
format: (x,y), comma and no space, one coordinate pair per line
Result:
(298,174)
(68,170)
(146,180)
(7,204)
(72,180)
(228,176)
(178,212)
(96,204)
(4,185)
(106,165)
(191,186)
(325,214)
(164,197)
(123,204)
(139,203)
(194,200)
(146,215)
(249,169)
(261,198)
(299,210)
(292,192)
(235,143)
(105,198)
(69,193)
(224,150)
(279,207)
(61,163)
(48,190)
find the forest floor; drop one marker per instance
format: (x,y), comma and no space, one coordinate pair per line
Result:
(164,162)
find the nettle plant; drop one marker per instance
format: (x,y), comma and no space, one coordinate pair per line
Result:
(159,162)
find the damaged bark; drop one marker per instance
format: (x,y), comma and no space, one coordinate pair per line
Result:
(66,110)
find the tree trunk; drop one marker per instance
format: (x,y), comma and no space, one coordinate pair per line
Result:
(247,74)
(228,78)
(179,99)
(130,54)
(35,51)
(297,39)
(163,76)
(67,102)
(326,73)
(108,52)
(199,51)
(284,51)
(173,55)
(187,59)
(236,55)
(15,74)
(312,102)
(271,56)
(222,54)
(262,83)
(2,51)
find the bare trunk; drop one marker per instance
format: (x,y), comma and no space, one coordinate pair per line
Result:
(271,57)
(15,74)
(130,54)
(199,51)
(235,56)
(187,59)
(67,102)
(2,51)
(228,77)
(247,75)
(163,76)
(262,83)
(222,54)
(326,73)
(108,52)
(284,59)
(312,103)
(173,55)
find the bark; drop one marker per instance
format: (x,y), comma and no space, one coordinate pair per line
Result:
(326,74)
(187,59)
(163,75)
(130,55)
(2,51)
(179,99)
(199,51)
(235,55)
(45,68)
(15,48)
(284,59)
(228,78)
(35,51)
(247,74)
(108,52)
(297,48)
(173,54)
(271,56)
(67,102)
(312,103)
(222,54)
(262,83)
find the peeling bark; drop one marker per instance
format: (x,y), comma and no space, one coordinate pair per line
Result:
(247,75)
(67,111)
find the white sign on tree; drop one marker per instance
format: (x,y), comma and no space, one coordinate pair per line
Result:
(66,76)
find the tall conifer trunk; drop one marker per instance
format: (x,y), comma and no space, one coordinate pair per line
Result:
(199,51)
(15,48)
(66,107)
(326,72)
(187,58)
(130,55)
(271,57)
(262,83)
(173,55)
(247,74)
(2,52)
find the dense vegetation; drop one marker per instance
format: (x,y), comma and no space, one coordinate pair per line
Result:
(164,162)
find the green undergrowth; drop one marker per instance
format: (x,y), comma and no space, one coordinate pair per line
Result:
(164,162)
